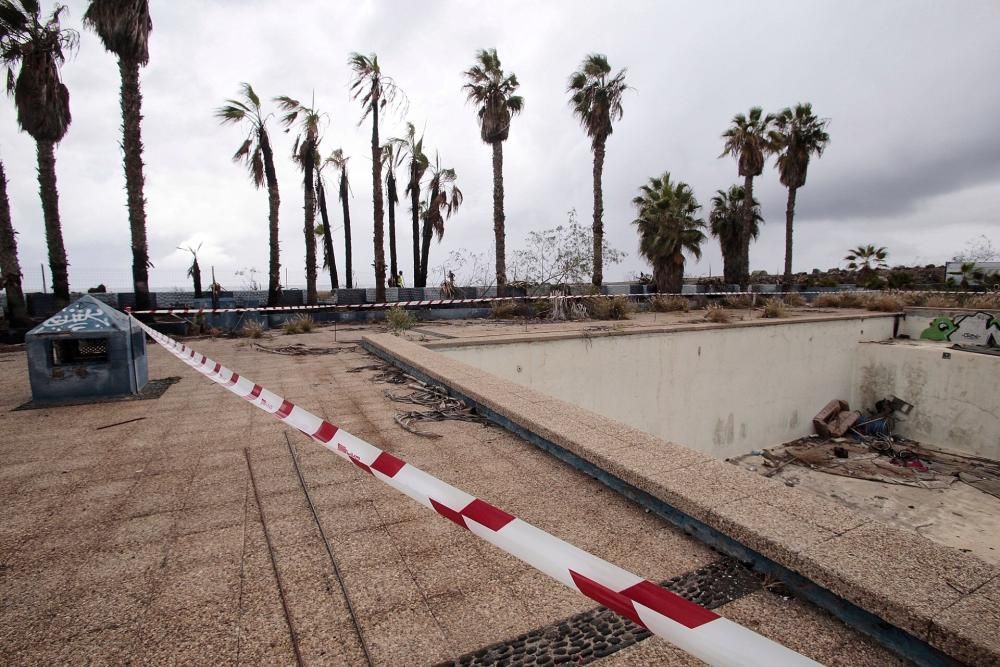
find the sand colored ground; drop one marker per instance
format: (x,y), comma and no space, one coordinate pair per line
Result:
(145,542)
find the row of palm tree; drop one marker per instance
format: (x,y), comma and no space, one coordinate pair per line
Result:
(794,135)
(37,46)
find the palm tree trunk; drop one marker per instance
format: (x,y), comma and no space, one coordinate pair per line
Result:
(53,227)
(598,278)
(377,201)
(391,195)
(310,227)
(744,264)
(425,248)
(345,205)
(10,267)
(273,203)
(131,99)
(498,218)
(675,273)
(331,261)
(789,217)
(196,278)
(414,189)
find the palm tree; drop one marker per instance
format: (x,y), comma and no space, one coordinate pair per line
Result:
(339,161)
(124,27)
(325,230)
(256,152)
(393,158)
(596,98)
(305,153)
(798,134)
(194,271)
(492,92)
(10,267)
(443,200)
(411,147)
(42,103)
(748,141)
(667,229)
(865,259)
(376,91)
(726,222)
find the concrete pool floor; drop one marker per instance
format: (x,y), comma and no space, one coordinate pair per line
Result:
(144,542)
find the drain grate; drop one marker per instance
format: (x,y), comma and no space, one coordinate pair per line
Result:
(598,633)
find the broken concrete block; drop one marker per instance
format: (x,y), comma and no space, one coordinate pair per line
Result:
(829,413)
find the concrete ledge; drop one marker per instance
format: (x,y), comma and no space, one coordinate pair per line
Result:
(943,598)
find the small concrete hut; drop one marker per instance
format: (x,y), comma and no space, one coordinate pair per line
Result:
(86,350)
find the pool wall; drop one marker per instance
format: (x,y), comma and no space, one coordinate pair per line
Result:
(723,391)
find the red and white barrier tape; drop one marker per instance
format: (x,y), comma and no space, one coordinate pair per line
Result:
(692,628)
(450,302)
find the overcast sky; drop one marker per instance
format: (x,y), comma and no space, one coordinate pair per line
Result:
(911,88)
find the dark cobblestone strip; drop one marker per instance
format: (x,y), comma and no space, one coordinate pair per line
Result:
(595,634)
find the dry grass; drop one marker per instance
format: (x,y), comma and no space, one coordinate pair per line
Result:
(717,313)
(827,301)
(669,304)
(984,301)
(252,329)
(848,300)
(840,300)
(885,303)
(399,319)
(774,308)
(609,308)
(740,301)
(794,300)
(215,332)
(298,324)
(503,310)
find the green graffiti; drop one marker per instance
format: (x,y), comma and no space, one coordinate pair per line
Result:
(941,328)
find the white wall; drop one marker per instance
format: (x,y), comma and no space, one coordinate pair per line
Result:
(722,391)
(956,399)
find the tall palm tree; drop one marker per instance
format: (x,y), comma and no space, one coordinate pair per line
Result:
(798,134)
(10,267)
(667,229)
(748,140)
(339,162)
(393,158)
(411,148)
(492,91)
(727,223)
(376,91)
(256,152)
(39,47)
(124,27)
(443,200)
(596,98)
(305,154)
(326,230)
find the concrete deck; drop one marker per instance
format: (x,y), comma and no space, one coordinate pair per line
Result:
(145,542)
(939,595)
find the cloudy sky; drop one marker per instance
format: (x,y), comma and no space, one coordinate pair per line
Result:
(910,88)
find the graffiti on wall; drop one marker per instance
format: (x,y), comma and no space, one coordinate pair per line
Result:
(979,329)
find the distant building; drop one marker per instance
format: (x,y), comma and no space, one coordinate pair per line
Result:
(974,273)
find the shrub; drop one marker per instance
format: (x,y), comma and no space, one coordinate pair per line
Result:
(849,300)
(885,303)
(899,279)
(795,300)
(503,310)
(827,301)
(252,329)
(716,313)
(541,308)
(298,324)
(774,308)
(609,308)
(215,332)
(739,301)
(668,304)
(399,319)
